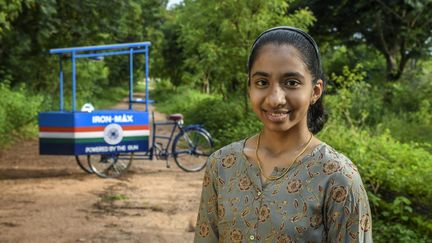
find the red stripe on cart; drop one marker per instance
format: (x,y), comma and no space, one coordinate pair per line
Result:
(71,129)
(90,129)
(135,127)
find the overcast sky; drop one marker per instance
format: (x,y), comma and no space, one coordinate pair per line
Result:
(171,2)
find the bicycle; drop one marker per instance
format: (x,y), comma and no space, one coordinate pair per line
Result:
(190,148)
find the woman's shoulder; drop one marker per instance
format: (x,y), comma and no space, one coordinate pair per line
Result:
(328,153)
(335,165)
(228,155)
(231,148)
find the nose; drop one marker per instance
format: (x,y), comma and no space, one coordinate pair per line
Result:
(276,97)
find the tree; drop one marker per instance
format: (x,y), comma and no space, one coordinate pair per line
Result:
(9,10)
(34,27)
(400,30)
(214,38)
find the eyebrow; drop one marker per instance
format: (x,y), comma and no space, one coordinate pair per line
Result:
(287,74)
(293,74)
(260,73)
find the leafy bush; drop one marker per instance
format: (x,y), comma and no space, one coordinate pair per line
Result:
(406,128)
(409,116)
(385,163)
(357,103)
(391,218)
(337,56)
(19,109)
(227,120)
(414,88)
(388,231)
(179,100)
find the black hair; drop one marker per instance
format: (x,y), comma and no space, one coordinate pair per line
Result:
(310,55)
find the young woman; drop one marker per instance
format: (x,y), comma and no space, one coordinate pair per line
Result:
(283,184)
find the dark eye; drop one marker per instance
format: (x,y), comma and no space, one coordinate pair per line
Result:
(291,83)
(261,83)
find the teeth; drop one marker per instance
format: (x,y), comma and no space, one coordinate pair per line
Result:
(276,114)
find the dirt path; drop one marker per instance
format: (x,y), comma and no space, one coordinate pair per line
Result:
(50,199)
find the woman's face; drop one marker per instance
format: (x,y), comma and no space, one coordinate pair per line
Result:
(281,88)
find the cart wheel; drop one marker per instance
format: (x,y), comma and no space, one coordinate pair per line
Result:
(191,148)
(110,165)
(81,161)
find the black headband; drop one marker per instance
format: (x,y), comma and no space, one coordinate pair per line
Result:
(298,31)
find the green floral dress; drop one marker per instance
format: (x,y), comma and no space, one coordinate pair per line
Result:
(320,199)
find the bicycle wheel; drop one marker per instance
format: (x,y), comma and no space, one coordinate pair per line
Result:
(191,148)
(110,165)
(84,166)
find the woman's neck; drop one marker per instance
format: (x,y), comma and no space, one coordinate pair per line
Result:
(277,142)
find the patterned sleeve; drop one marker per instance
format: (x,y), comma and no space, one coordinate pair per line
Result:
(206,227)
(347,213)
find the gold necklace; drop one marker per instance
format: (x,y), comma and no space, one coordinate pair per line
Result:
(274,178)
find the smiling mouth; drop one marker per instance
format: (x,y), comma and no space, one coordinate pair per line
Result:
(277,116)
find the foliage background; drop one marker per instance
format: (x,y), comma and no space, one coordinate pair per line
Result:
(377,57)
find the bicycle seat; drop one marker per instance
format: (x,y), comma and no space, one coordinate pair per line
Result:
(175,117)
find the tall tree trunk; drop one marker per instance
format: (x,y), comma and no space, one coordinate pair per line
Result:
(391,66)
(206,84)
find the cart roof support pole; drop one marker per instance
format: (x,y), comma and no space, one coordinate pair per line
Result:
(130,78)
(73,81)
(61,83)
(146,76)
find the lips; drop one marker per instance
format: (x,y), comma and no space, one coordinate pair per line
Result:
(277,115)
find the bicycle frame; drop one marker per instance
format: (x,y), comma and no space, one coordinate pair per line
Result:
(164,151)
(153,149)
